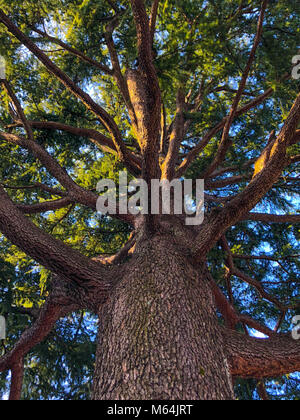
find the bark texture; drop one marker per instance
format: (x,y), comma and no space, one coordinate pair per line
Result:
(159,337)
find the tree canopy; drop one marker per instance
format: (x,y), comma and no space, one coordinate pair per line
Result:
(53,141)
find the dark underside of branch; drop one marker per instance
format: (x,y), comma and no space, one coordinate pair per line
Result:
(262,358)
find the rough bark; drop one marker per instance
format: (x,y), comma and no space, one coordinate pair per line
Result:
(262,358)
(159,337)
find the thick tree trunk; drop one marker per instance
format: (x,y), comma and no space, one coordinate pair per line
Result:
(158,336)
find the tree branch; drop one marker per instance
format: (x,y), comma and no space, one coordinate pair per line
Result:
(225,182)
(212,132)
(145,95)
(49,314)
(225,141)
(176,136)
(73,51)
(233,168)
(233,270)
(36,185)
(257,285)
(294,159)
(95,136)
(153,17)
(63,299)
(143,37)
(262,392)
(48,251)
(107,121)
(17,375)
(44,206)
(232,317)
(103,142)
(263,257)
(120,256)
(44,157)
(239,207)
(19,109)
(272,218)
(261,358)
(117,72)
(75,193)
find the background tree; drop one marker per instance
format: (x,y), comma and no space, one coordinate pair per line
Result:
(167,89)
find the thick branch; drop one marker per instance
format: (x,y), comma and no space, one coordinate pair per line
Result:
(261,358)
(17,374)
(145,95)
(63,299)
(144,43)
(48,251)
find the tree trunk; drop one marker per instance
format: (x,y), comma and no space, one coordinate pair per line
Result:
(158,334)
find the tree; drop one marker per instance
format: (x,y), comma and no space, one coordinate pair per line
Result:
(164,90)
